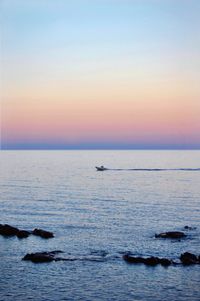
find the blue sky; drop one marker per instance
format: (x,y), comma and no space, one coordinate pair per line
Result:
(94,60)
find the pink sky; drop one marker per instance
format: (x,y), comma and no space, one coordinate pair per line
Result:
(132,79)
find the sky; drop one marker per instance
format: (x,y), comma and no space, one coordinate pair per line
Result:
(100,74)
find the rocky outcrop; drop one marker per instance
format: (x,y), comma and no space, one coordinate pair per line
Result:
(39,257)
(42,256)
(189,258)
(185,259)
(52,256)
(171,234)
(42,233)
(7,230)
(152,261)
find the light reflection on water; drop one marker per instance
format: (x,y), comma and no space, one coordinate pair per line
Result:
(113,211)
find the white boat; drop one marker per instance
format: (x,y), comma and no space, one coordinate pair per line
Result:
(101,168)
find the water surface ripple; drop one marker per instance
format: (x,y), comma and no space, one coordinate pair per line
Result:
(96,217)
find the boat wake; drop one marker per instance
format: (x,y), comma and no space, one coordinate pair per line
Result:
(153,169)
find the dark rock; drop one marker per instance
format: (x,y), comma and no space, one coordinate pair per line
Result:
(152,261)
(133,259)
(165,261)
(8,230)
(189,228)
(43,256)
(171,234)
(42,233)
(23,233)
(39,257)
(189,258)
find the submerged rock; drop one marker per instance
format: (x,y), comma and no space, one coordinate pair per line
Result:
(52,256)
(189,228)
(171,234)
(152,261)
(42,233)
(189,258)
(133,259)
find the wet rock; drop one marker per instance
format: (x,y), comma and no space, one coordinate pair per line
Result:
(189,258)
(39,257)
(189,228)
(165,261)
(7,230)
(23,233)
(133,259)
(43,256)
(171,234)
(152,261)
(42,233)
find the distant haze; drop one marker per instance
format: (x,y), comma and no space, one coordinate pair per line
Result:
(100,74)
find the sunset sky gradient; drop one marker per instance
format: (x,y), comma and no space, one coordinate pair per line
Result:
(100,74)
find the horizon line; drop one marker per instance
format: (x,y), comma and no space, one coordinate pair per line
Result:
(98,149)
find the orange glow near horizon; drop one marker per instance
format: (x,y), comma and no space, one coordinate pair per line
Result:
(122,81)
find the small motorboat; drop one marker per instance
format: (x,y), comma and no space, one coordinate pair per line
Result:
(101,168)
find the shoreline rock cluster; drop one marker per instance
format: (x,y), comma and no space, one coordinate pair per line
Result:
(185,259)
(39,257)
(7,230)
(147,260)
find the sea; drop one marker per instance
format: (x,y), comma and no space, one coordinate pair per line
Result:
(97,217)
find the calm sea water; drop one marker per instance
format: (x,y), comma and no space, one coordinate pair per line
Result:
(96,217)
